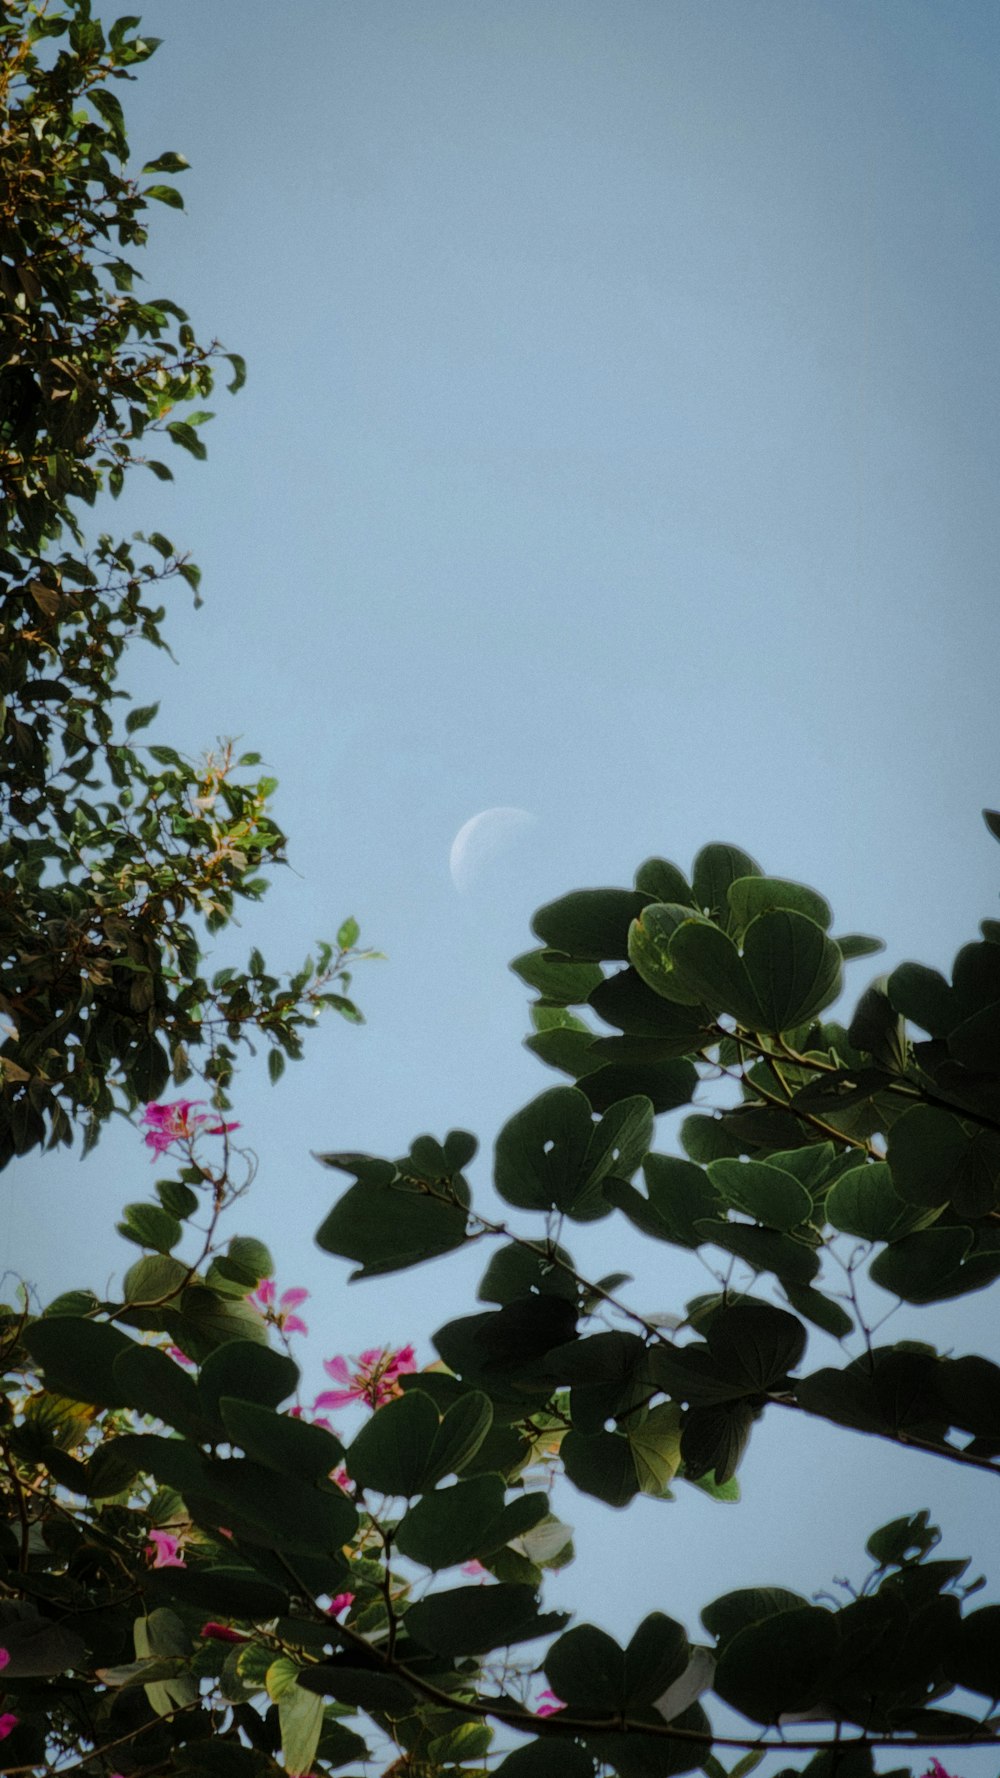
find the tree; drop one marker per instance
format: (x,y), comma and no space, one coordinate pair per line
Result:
(199,1576)
(221,1583)
(113,855)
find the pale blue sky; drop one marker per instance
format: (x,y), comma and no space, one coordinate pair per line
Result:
(620,442)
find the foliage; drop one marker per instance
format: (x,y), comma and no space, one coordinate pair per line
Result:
(203,1576)
(112,853)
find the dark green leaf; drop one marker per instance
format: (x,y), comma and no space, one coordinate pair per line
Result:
(392,1452)
(779,1664)
(601,1464)
(473,1620)
(389,1227)
(793,968)
(559,980)
(935,1160)
(248,1372)
(763,1191)
(78,1358)
(280,1441)
(589,925)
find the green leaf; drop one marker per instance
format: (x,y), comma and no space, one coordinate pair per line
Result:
(541,1151)
(863,1202)
(348,934)
(243,1370)
(663,881)
(275,1511)
(152,1383)
(655,1443)
(763,1191)
(78,1358)
(779,1664)
(179,1200)
(713,1439)
(225,1590)
(924,997)
(547,1758)
(474,1620)
(710,967)
(750,896)
(974,1661)
(389,1227)
(359,1686)
(765,1250)
(210,1320)
(148,1069)
(300,1723)
(586,1669)
(167,163)
(650,952)
(38,1648)
(821,1310)
(462,1431)
(924,1267)
(935,1159)
(392,1452)
(857,944)
(794,969)
(601,1464)
(730,1613)
(280,1441)
(140,717)
(517,1271)
(756,1344)
(449,1526)
(589,925)
(559,980)
(148,1225)
(155,1280)
(716,867)
(164,194)
(626,1001)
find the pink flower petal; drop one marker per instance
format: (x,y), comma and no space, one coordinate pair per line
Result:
(338,1603)
(293,1324)
(222,1633)
(551,1708)
(337,1369)
(163,1547)
(338,1398)
(4,1657)
(291,1299)
(8,1721)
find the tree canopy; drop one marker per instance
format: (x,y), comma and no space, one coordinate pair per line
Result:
(198,1573)
(115,855)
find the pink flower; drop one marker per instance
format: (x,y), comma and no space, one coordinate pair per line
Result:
(222,1632)
(342,1479)
(163,1548)
(475,1570)
(375,1381)
(936,1770)
(339,1603)
(281,1314)
(179,1122)
(552,1707)
(4,1658)
(8,1721)
(180,1357)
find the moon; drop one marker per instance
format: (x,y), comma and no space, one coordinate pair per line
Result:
(483,839)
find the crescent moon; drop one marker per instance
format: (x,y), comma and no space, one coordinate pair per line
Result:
(481,840)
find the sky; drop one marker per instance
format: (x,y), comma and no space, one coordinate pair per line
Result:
(620,444)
